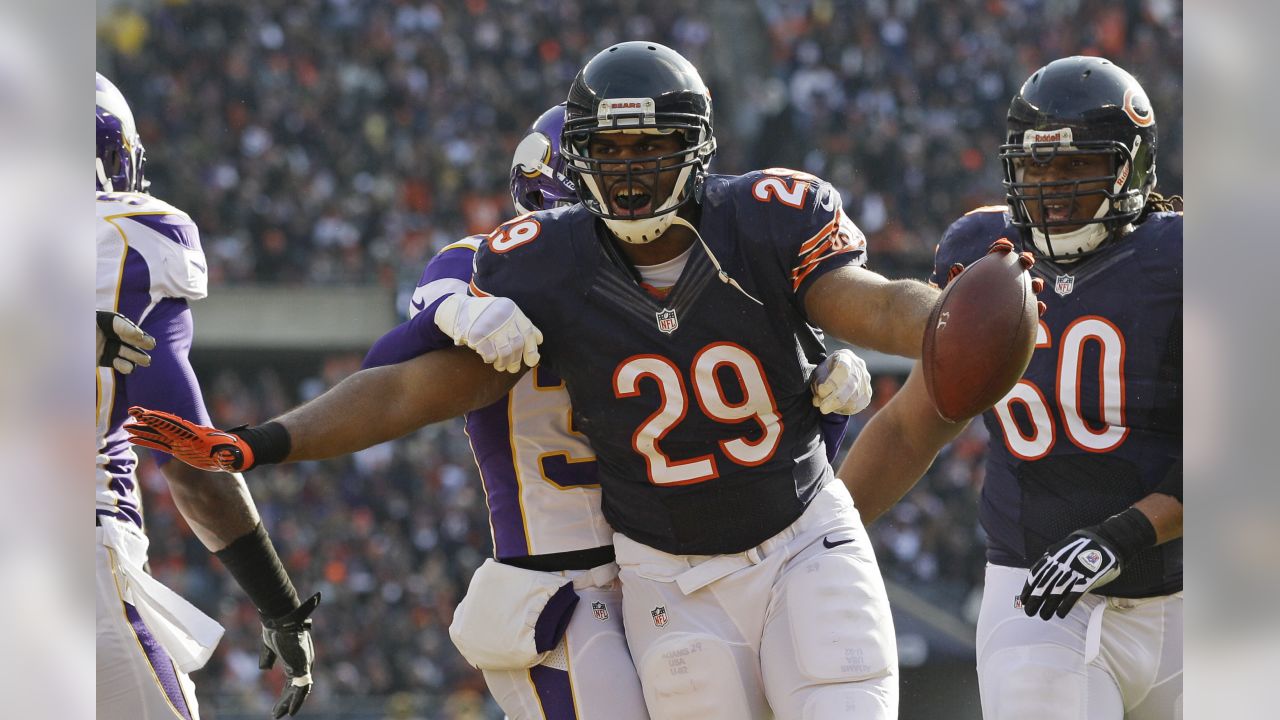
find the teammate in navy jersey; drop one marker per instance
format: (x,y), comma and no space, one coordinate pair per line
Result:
(681,310)
(1082,501)
(150,266)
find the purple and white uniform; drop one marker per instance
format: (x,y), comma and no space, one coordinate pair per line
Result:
(149,266)
(148,638)
(539,474)
(540,483)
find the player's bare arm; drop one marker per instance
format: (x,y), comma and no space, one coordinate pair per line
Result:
(895,449)
(384,403)
(865,308)
(1164,512)
(367,408)
(217,506)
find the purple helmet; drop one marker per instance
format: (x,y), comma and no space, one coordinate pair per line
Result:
(538,179)
(120,154)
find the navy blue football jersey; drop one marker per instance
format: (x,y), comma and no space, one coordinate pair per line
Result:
(698,405)
(1096,421)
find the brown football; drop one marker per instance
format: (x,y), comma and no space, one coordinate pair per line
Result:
(980,336)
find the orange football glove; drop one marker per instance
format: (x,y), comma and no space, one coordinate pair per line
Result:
(200,447)
(1026,259)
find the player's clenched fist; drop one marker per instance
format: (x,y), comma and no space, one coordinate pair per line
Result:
(494,327)
(201,447)
(841,384)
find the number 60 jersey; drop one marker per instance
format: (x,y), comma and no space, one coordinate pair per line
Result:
(1096,421)
(697,405)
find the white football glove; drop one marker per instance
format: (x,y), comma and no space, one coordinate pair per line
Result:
(492,326)
(122,345)
(842,384)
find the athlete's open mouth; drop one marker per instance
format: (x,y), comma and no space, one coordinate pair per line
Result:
(630,200)
(1057,210)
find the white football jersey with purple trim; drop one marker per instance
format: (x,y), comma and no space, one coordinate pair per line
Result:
(147,251)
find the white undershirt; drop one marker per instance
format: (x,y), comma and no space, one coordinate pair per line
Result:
(663,275)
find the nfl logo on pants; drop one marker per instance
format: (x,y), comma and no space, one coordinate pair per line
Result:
(659,616)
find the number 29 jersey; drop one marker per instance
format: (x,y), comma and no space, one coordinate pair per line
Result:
(698,405)
(1095,423)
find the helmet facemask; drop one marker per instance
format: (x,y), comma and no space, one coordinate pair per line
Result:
(623,191)
(1122,198)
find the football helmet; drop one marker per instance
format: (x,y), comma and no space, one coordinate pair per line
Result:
(1085,105)
(120,157)
(638,87)
(539,178)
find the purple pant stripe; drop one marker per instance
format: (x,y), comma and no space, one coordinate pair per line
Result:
(555,692)
(161,664)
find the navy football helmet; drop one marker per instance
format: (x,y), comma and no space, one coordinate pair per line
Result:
(1084,105)
(120,156)
(539,174)
(638,87)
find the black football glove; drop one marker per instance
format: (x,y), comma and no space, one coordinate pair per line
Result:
(289,638)
(122,345)
(1081,562)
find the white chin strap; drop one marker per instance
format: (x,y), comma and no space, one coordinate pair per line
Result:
(1074,242)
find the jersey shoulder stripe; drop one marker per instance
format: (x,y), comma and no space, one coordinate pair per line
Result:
(471,243)
(165,238)
(795,216)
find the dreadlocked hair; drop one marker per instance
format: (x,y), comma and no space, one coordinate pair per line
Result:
(1159,203)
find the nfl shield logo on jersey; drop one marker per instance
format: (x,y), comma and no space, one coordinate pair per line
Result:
(600,611)
(659,616)
(1064,284)
(667,321)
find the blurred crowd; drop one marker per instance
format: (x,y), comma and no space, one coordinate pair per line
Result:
(344,142)
(338,141)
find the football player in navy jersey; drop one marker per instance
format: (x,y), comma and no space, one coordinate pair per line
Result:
(1082,501)
(682,311)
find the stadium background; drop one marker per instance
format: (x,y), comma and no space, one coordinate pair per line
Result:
(327,148)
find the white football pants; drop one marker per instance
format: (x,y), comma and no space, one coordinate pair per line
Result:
(148,638)
(1109,658)
(796,628)
(589,675)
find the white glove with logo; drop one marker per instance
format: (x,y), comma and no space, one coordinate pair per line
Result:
(842,384)
(492,326)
